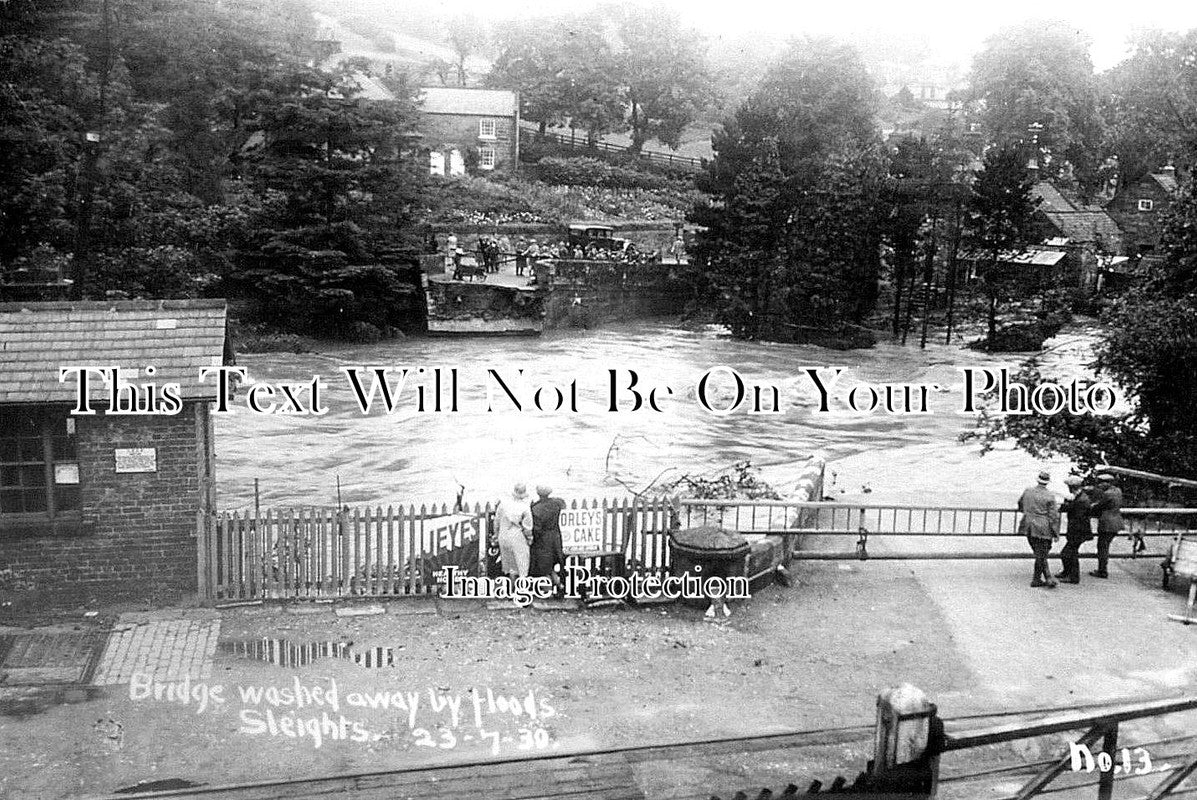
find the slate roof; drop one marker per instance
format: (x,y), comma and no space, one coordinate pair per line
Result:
(470,102)
(370,88)
(1080,223)
(1166,180)
(177,337)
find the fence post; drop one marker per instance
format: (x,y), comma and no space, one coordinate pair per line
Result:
(905,743)
(202,582)
(1109,746)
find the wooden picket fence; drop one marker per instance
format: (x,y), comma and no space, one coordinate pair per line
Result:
(319,553)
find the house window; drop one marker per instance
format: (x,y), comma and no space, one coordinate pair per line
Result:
(39,468)
(1146,205)
(486,158)
(487,129)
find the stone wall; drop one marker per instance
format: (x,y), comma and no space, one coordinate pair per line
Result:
(482,300)
(586,293)
(461,131)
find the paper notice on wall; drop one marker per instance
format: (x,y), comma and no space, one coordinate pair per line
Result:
(136,459)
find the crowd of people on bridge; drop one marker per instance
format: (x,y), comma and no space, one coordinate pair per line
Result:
(1088,501)
(493,252)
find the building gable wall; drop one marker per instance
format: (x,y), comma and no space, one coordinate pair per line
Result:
(1142,229)
(442,131)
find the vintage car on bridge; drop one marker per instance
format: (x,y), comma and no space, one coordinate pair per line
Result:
(586,234)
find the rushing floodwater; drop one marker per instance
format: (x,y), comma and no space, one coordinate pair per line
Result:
(423,457)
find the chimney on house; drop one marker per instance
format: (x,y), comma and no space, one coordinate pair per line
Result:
(1168,170)
(1033,169)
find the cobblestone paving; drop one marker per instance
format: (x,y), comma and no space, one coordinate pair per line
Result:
(165,648)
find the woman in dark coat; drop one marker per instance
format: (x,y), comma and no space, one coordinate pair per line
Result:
(547,550)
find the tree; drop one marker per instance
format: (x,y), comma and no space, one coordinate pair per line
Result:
(466,36)
(662,68)
(177,148)
(564,72)
(1040,74)
(1150,106)
(343,184)
(791,250)
(743,246)
(999,222)
(908,199)
(441,68)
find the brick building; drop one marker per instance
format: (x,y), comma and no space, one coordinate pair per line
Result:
(1139,209)
(105,504)
(464,127)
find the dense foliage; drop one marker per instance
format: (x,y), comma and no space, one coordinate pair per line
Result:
(1150,352)
(594,172)
(1035,82)
(618,68)
(999,221)
(1149,103)
(183,148)
(791,249)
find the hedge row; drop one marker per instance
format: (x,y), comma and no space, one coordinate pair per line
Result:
(593,172)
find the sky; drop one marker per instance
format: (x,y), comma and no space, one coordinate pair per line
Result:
(956,28)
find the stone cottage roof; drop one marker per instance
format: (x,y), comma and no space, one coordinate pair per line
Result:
(470,102)
(176,337)
(1081,223)
(1166,180)
(370,88)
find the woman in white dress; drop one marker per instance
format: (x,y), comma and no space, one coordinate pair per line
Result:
(513,519)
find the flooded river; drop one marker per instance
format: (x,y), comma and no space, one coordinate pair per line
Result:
(410,456)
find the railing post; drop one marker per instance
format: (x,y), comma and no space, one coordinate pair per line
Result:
(905,743)
(1109,746)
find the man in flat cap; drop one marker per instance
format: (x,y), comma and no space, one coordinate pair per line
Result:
(1040,523)
(1076,505)
(1107,507)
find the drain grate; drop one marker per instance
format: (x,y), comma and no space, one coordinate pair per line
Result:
(30,659)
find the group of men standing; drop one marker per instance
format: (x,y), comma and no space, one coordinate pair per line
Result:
(1085,501)
(492,254)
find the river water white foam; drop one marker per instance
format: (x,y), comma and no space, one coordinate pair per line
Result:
(412,457)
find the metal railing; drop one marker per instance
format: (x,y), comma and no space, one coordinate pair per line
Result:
(916,527)
(1099,726)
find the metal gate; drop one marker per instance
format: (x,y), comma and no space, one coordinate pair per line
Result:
(911,532)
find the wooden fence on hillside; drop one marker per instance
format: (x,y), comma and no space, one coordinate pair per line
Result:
(580,143)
